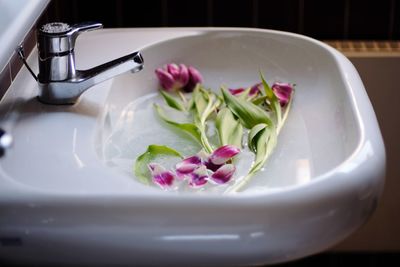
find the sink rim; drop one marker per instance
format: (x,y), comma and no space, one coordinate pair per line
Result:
(277,226)
(319,180)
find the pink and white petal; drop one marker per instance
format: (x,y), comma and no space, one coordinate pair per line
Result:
(223,154)
(164,179)
(187,166)
(160,175)
(196,159)
(223,174)
(199,177)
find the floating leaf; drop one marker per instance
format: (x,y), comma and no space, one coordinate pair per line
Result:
(188,128)
(200,101)
(262,140)
(230,130)
(172,101)
(248,113)
(141,169)
(259,100)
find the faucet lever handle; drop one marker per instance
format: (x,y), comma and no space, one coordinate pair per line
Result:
(86,26)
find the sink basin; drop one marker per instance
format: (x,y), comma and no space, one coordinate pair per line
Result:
(66,187)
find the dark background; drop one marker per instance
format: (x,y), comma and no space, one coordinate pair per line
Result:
(321,19)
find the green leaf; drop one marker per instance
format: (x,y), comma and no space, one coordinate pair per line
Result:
(262,141)
(254,135)
(172,101)
(267,89)
(248,113)
(274,102)
(141,169)
(230,130)
(200,101)
(188,128)
(259,100)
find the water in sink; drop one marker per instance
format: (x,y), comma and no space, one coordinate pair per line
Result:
(138,126)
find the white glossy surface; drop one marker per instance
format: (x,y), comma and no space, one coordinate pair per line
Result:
(57,194)
(16,19)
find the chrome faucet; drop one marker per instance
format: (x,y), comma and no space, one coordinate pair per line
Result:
(59,81)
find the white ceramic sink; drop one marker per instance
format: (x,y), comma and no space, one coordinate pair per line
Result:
(65,191)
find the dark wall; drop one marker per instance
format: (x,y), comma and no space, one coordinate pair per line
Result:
(321,19)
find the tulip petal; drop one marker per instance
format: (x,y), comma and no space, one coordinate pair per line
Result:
(211,166)
(160,175)
(166,79)
(223,174)
(187,166)
(236,91)
(195,77)
(223,154)
(199,177)
(255,89)
(183,75)
(282,92)
(173,69)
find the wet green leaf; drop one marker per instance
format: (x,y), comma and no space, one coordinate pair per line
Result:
(273,100)
(262,140)
(188,128)
(172,101)
(248,113)
(230,130)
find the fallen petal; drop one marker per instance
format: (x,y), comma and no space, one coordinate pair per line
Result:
(187,166)
(223,154)
(199,177)
(236,91)
(191,160)
(161,176)
(255,89)
(223,174)
(283,92)
(211,166)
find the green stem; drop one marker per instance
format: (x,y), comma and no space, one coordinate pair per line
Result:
(284,117)
(204,139)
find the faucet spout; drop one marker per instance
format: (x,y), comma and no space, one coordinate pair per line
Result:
(59,81)
(68,91)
